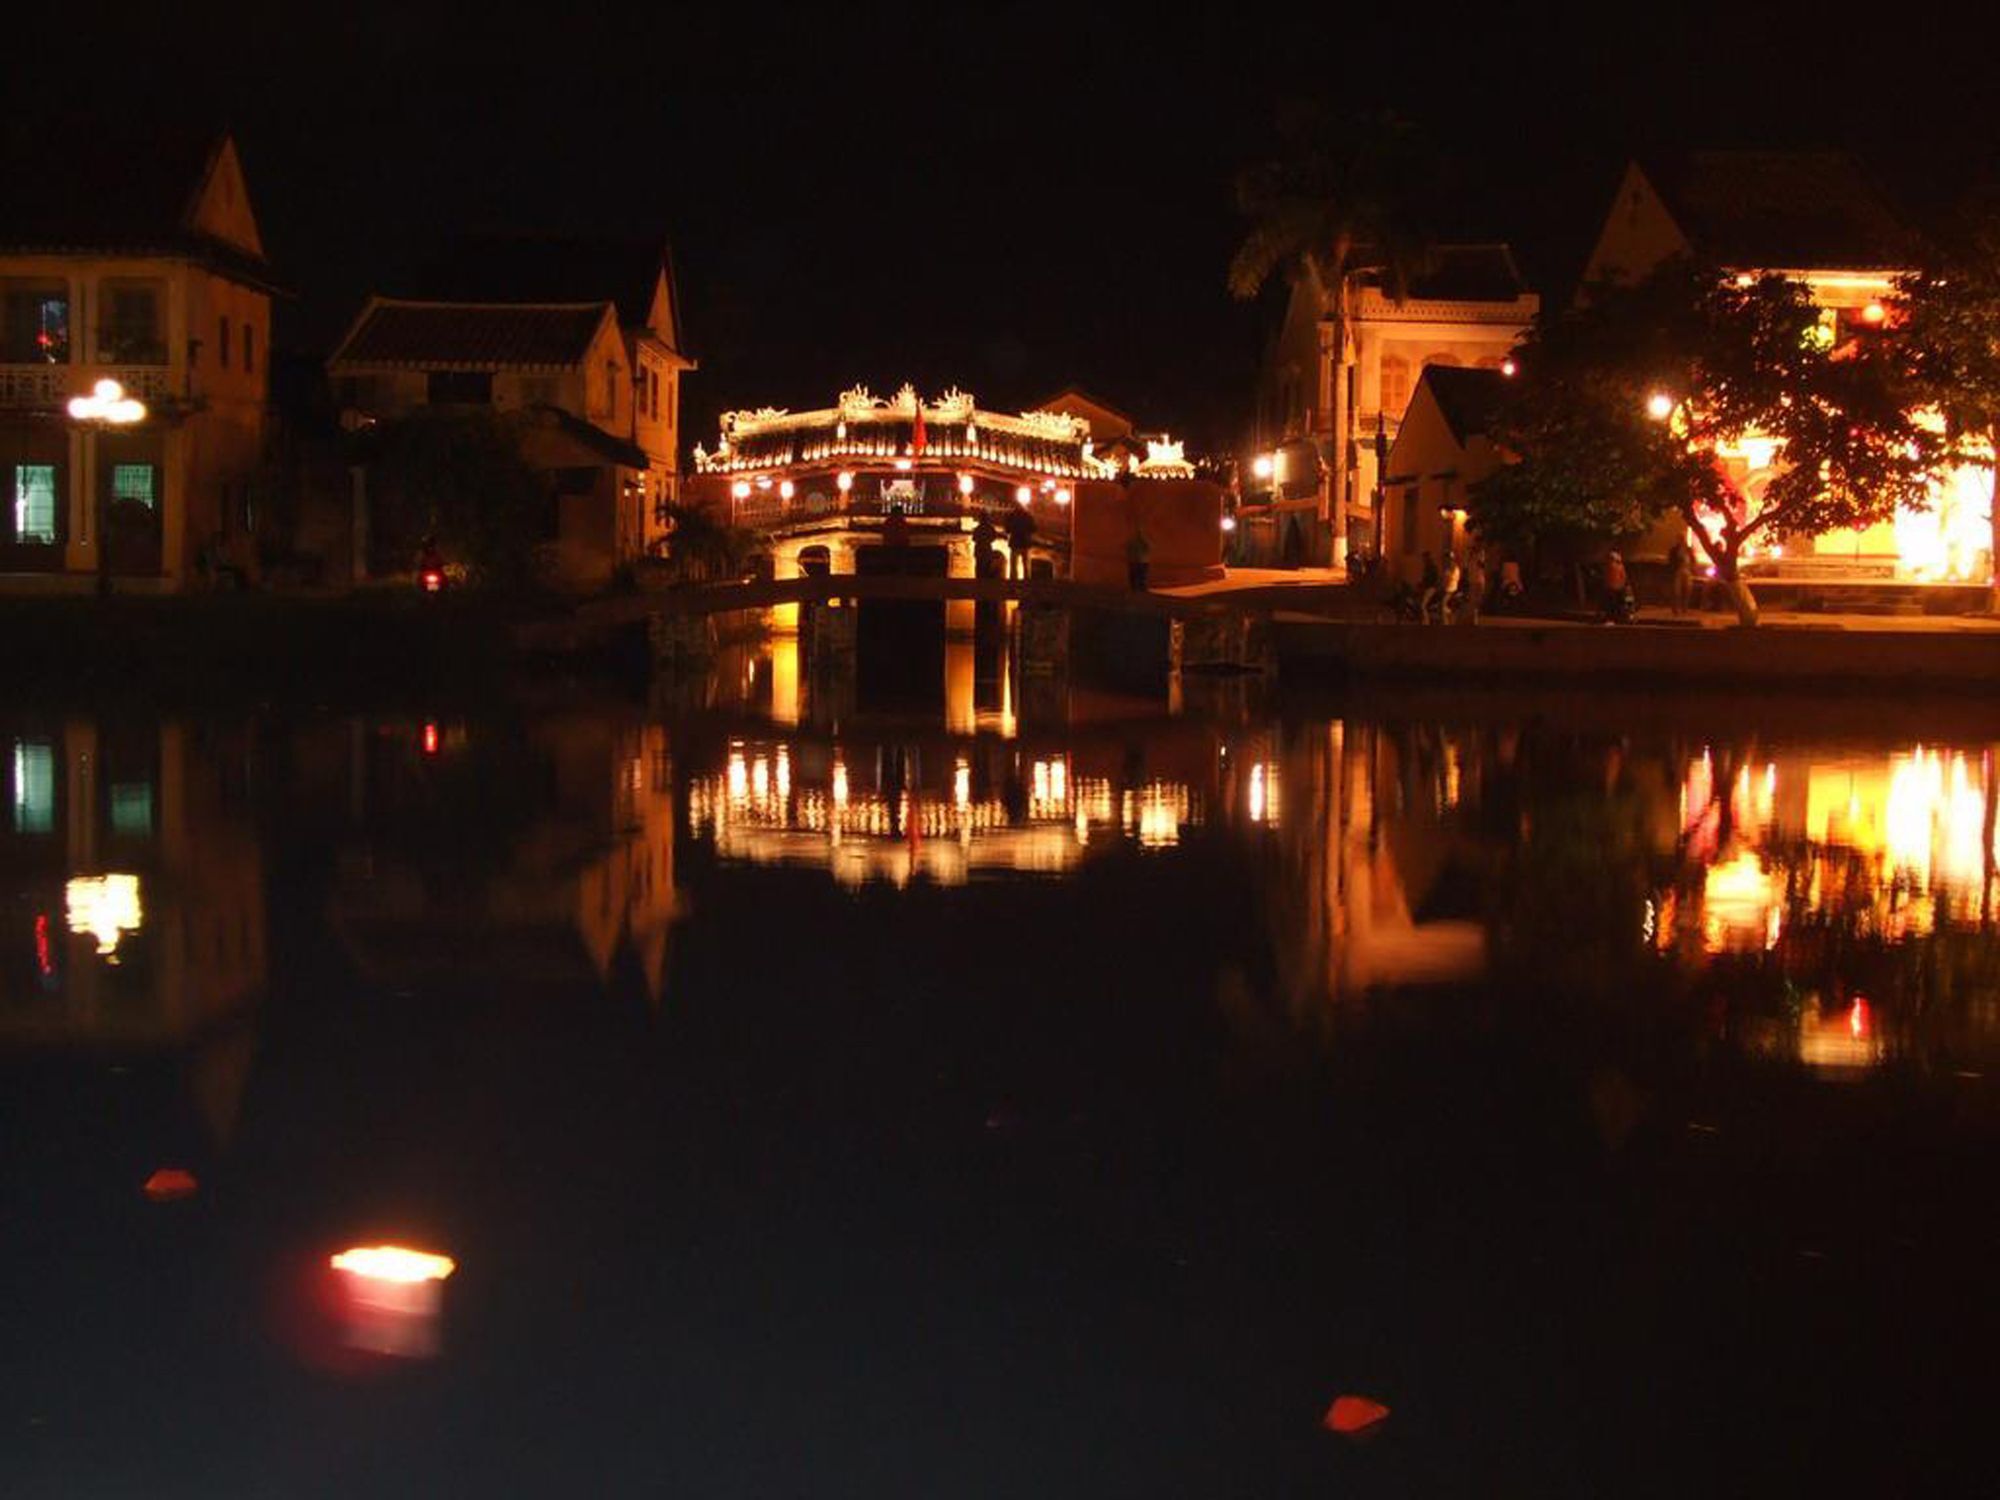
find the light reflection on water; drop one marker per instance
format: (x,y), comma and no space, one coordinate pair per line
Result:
(562,991)
(1824,886)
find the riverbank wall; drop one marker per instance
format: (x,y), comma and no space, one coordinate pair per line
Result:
(1822,658)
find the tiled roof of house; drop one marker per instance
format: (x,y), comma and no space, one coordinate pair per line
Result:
(1783,210)
(1468,398)
(539,268)
(470,335)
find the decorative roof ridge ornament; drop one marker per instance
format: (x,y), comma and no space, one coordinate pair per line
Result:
(1056,424)
(906,400)
(954,405)
(859,401)
(1165,459)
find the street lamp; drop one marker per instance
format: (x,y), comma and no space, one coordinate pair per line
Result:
(106,408)
(1659,406)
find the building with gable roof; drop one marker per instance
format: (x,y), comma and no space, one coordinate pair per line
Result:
(559,371)
(637,277)
(1442,449)
(1819,218)
(131,256)
(1327,414)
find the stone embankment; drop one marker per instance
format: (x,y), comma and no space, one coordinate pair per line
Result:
(1860,654)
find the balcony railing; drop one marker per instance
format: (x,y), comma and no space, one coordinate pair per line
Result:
(46,387)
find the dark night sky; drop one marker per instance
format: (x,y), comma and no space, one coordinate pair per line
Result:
(1011,200)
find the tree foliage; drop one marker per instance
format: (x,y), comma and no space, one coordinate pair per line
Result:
(457,474)
(1622,401)
(701,545)
(1338,195)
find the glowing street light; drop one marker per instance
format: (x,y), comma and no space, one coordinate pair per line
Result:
(1659,406)
(107,403)
(1263,465)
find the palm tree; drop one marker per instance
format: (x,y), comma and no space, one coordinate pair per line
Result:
(1341,199)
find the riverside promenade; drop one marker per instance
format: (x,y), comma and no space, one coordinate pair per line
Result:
(1857,652)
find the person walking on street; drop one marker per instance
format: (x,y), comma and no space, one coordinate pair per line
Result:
(1618,602)
(1681,563)
(1475,585)
(1020,537)
(1430,589)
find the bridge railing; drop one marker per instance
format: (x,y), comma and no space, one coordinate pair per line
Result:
(767,510)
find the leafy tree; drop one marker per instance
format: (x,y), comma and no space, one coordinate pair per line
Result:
(1946,319)
(458,474)
(1623,400)
(701,545)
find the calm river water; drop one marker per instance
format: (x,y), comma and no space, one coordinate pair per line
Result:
(1014,1091)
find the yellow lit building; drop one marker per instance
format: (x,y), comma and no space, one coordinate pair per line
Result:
(1335,390)
(557,371)
(137,261)
(1817,218)
(1441,451)
(637,277)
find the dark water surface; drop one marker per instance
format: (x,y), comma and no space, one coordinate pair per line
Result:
(1041,1093)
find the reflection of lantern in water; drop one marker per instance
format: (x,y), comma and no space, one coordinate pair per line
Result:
(1155,814)
(393,1295)
(106,907)
(1262,798)
(1740,905)
(1841,1041)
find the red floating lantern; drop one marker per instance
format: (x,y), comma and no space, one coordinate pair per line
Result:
(169,1183)
(1351,1416)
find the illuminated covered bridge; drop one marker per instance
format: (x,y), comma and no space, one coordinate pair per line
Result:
(902,485)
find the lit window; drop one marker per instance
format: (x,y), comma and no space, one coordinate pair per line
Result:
(35,503)
(136,482)
(132,807)
(36,328)
(34,787)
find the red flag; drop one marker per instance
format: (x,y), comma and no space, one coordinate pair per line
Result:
(918,439)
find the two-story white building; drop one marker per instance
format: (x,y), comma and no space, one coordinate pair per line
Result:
(1342,370)
(557,372)
(137,261)
(589,380)
(637,277)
